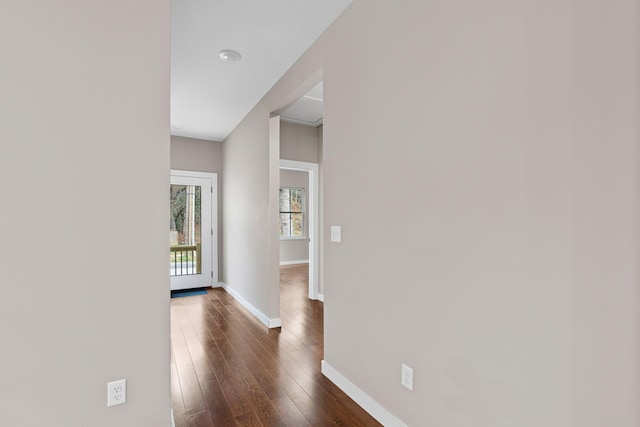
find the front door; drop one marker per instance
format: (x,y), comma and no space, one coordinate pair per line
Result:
(191,232)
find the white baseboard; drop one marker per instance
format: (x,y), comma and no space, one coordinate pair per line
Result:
(173,419)
(383,416)
(321,297)
(300,261)
(269,323)
(216,285)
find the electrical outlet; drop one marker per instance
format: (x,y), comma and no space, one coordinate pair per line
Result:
(407,377)
(116,392)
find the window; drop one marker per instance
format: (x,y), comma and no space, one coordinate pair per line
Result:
(292,212)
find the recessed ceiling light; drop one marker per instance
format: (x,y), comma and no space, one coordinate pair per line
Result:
(177,127)
(229,55)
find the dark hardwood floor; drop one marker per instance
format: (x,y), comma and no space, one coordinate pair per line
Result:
(228,369)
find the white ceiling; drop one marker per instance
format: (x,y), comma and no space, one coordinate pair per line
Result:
(210,97)
(307,110)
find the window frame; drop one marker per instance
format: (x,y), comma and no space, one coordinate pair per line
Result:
(303,212)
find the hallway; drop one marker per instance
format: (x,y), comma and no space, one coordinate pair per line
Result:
(228,369)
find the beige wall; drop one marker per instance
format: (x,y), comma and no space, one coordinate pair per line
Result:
(196,155)
(298,142)
(250,265)
(85,167)
(199,155)
(491,218)
(296,249)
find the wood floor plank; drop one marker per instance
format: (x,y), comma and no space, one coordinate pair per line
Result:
(289,412)
(231,386)
(180,419)
(269,385)
(261,403)
(214,397)
(316,415)
(198,357)
(201,419)
(177,402)
(249,420)
(191,393)
(228,369)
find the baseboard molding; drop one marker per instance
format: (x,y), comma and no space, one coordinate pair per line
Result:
(300,261)
(173,419)
(216,285)
(321,297)
(269,323)
(383,416)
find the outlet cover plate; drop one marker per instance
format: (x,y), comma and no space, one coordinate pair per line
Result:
(407,377)
(116,392)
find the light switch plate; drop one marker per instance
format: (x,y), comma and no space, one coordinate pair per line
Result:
(336,233)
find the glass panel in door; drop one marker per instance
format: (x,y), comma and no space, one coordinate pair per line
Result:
(186,230)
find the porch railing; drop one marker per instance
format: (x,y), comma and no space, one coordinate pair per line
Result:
(186,259)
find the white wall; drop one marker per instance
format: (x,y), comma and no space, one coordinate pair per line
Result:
(296,249)
(200,155)
(491,217)
(85,167)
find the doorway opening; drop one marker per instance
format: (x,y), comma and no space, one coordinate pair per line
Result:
(299,213)
(300,147)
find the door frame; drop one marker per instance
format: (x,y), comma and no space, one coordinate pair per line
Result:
(313,218)
(213,280)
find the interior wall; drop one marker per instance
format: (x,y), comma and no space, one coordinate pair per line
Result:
(200,155)
(298,142)
(85,294)
(196,155)
(246,211)
(491,177)
(296,249)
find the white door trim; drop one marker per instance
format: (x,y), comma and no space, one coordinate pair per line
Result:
(314,216)
(214,215)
